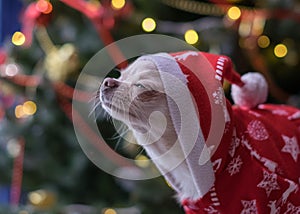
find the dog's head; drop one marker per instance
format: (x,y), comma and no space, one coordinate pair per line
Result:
(135,95)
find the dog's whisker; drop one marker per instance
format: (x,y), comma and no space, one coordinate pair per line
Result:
(97,104)
(95,96)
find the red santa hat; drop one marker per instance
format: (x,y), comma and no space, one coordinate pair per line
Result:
(198,108)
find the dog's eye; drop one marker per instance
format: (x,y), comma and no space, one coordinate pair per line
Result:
(139,85)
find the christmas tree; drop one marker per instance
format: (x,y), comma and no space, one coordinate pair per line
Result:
(44,45)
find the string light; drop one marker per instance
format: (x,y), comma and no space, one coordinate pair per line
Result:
(37,197)
(280,50)
(41,5)
(29,108)
(148,24)
(25,110)
(234,13)
(142,161)
(191,37)
(42,199)
(49,9)
(109,211)
(263,41)
(11,70)
(18,38)
(19,113)
(118,4)
(44,6)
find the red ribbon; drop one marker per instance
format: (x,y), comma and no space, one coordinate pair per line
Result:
(17,175)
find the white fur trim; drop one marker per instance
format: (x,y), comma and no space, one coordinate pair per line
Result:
(254,92)
(186,124)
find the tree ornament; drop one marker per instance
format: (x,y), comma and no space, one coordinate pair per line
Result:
(254,92)
(61,62)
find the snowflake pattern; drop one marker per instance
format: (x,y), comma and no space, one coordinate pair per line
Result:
(217,164)
(273,207)
(257,130)
(233,146)
(291,146)
(249,207)
(291,209)
(269,182)
(234,166)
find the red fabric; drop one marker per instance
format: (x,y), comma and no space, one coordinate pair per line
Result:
(199,94)
(257,163)
(213,69)
(261,173)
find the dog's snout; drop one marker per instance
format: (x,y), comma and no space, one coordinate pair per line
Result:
(111,83)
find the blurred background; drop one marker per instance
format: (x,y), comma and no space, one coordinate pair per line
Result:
(45,44)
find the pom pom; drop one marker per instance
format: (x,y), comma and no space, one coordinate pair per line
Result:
(254,91)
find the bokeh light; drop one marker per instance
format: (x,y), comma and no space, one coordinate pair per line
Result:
(44,6)
(109,211)
(191,37)
(19,113)
(263,41)
(36,197)
(118,4)
(29,108)
(13,148)
(11,70)
(18,38)
(234,13)
(142,161)
(49,9)
(25,110)
(148,24)
(280,50)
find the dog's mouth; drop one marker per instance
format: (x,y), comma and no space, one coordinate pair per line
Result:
(115,107)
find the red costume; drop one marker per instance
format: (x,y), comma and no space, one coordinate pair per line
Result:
(254,164)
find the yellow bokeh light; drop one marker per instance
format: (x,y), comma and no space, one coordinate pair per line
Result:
(234,13)
(19,111)
(280,50)
(109,211)
(263,41)
(18,38)
(142,161)
(148,24)
(29,108)
(118,4)
(37,197)
(191,37)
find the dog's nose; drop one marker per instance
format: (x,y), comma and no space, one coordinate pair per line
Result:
(110,83)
